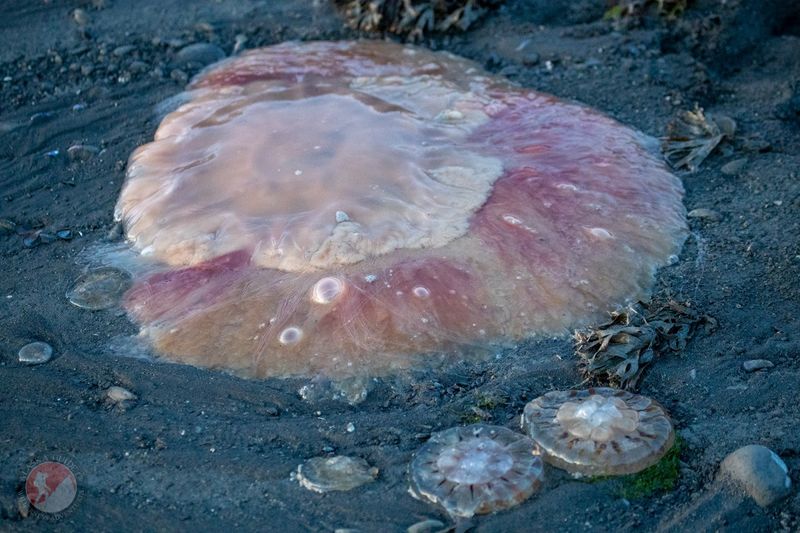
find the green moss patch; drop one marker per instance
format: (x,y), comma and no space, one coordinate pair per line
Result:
(661,477)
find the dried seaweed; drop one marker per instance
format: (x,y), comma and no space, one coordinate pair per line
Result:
(413,19)
(693,136)
(618,352)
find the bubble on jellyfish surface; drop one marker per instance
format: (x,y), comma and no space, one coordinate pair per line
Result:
(356,208)
(476,469)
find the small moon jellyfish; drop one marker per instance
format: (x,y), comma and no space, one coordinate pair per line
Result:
(35,353)
(476,469)
(599,431)
(357,208)
(101,288)
(325,474)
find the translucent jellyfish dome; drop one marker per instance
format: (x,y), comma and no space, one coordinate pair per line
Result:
(476,469)
(346,208)
(599,431)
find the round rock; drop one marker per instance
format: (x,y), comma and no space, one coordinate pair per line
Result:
(757,364)
(200,53)
(35,353)
(760,472)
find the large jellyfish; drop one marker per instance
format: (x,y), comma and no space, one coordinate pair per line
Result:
(351,208)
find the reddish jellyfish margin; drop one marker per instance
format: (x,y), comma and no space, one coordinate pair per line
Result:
(356,208)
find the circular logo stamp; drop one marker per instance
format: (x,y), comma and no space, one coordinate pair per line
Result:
(51,487)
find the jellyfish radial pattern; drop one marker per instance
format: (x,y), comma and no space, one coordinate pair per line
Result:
(476,469)
(599,431)
(356,208)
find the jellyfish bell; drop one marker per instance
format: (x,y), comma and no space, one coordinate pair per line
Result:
(599,431)
(476,469)
(361,207)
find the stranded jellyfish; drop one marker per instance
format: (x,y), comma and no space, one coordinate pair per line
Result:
(350,208)
(325,474)
(598,431)
(476,469)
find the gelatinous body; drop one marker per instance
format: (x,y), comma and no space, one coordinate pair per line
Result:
(341,208)
(476,469)
(100,288)
(599,431)
(340,472)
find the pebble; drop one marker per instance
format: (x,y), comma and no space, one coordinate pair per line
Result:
(732,168)
(509,70)
(531,59)
(756,144)
(123,50)
(7,227)
(81,17)
(45,237)
(200,53)
(40,118)
(790,108)
(324,474)
(99,289)
(425,526)
(23,506)
(757,364)
(82,152)
(137,67)
(704,213)
(239,43)
(179,76)
(31,240)
(35,353)
(175,43)
(726,125)
(119,394)
(760,472)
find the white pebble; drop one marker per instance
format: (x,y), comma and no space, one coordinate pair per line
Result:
(119,394)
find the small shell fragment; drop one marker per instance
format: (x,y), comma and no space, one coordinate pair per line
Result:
(99,289)
(598,431)
(324,474)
